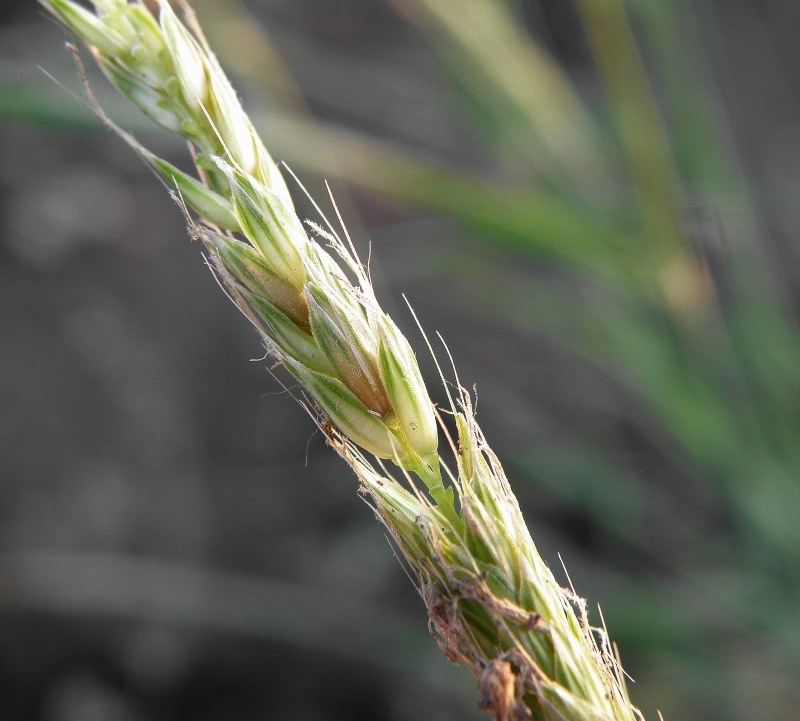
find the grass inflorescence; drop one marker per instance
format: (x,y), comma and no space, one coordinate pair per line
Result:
(492,602)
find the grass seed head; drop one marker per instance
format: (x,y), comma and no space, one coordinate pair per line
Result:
(493,603)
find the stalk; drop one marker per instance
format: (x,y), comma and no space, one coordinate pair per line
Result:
(492,602)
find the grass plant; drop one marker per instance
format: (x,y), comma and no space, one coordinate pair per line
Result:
(492,602)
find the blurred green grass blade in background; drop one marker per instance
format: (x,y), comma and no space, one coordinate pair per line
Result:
(639,128)
(31,98)
(690,103)
(521,93)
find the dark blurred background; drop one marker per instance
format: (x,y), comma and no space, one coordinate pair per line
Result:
(595,204)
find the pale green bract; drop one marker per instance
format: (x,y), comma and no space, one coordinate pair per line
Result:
(492,602)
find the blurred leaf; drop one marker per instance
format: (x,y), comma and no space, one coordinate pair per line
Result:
(523,92)
(639,127)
